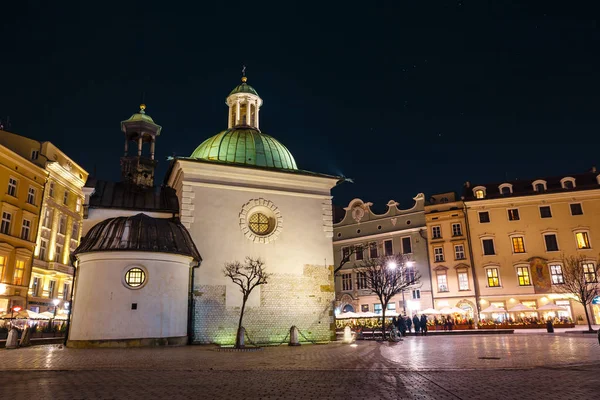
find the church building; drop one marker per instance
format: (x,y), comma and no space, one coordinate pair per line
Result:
(140,277)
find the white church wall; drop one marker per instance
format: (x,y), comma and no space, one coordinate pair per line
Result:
(300,257)
(102,306)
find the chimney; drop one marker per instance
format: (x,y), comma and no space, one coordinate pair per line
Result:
(467,184)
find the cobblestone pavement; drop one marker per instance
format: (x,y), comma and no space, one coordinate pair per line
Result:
(462,367)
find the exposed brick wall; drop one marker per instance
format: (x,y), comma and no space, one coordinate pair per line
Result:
(304,301)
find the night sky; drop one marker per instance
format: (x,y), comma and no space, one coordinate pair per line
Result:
(407,97)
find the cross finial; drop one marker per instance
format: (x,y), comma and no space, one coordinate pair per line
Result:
(244,79)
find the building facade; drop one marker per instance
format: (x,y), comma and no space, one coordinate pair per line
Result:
(21,188)
(397,231)
(60,222)
(452,273)
(519,232)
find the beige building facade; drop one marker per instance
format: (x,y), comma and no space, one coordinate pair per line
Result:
(519,232)
(59,225)
(397,231)
(452,273)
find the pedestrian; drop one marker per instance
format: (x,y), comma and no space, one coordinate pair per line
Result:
(408,323)
(416,323)
(423,324)
(402,325)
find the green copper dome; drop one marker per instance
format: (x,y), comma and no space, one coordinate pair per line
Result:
(245,146)
(244,88)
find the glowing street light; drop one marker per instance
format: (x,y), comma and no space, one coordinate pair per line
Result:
(410,264)
(392,265)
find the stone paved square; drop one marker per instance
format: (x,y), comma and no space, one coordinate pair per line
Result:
(520,366)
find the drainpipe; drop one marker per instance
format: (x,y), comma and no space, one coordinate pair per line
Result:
(70,315)
(475,280)
(428,264)
(190,327)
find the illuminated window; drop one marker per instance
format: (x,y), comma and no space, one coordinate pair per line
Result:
(78,204)
(377,308)
(442,281)
(19,271)
(364,307)
(459,252)
(583,241)
(35,286)
(589,273)
(6,220)
(12,187)
(557,274)
(2,264)
(135,277)
(463,280)
(48,219)
(31,196)
(436,232)
(518,244)
(346,281)
(260,224)
(43,249)
(362,281)
(492,277)
(480,194)
(523,275)
(513,214)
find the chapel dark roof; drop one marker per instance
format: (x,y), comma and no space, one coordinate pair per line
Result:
(139,233)
(127,196)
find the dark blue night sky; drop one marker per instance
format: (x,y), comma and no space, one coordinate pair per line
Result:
(404,97)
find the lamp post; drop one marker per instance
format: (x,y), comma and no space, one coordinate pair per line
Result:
(55,302)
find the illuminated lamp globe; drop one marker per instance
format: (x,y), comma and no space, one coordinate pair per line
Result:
(392,265)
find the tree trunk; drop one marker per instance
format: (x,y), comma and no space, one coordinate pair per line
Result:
(587,317)
(237,336)
(383,321)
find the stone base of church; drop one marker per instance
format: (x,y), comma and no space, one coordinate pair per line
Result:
(125,343)
(304,301)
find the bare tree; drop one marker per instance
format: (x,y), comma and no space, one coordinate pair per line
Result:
(347,252)
(247,276)
(580,277)
(386,277)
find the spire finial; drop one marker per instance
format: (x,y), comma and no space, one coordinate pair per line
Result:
(142,108)
(244,78)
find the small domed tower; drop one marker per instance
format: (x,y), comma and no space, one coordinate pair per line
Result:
(138,168)
(244,104)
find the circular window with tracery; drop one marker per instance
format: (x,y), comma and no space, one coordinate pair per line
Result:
(135,277)
(260,221)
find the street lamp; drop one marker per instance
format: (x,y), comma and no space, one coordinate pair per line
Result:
(392,265)
(55,302)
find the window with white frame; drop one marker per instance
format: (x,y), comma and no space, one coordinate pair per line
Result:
(377,308)
(459,252)
(523,276)
(35,154)
(589,272)
(479,192)
(436,232)
(539,186)
(25,229)
(493,277)
(406,245)
(2,265)
(12,187)
(43,249)
(583,240)
(388,248)
(35,286)
(31,196)
(456,229)
(513,214)
(484,217)
(556,273)
(75,234)
(373,250)
(488,247)
(51,190)
(66,197)
(47,219)
(78,204)
(6,220)
(576,209)
(442,281)
(345,253)
(361,280)
(359,253)
(463,280)
(52,289)
(62,224)
(416,294)
(410,274)
(346,281)
(505,188)
(518,244)
(19,272)
(438,253)
(551,242)
(567,183)
(545,212)
(65,292)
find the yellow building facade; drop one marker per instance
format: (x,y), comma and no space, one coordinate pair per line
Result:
(452,273)
(21,190)
(519,233)
(59,223)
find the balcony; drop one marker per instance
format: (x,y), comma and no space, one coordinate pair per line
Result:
(53,266)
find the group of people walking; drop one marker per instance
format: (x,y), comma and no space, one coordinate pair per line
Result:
(405,324)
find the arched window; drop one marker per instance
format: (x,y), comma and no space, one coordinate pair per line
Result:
(479,192)
(539,186)
(505,188)
(567,182)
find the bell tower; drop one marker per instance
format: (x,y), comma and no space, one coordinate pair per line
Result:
(138,168)
(244,105)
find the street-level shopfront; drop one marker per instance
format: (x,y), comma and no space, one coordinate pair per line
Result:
(596,310)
